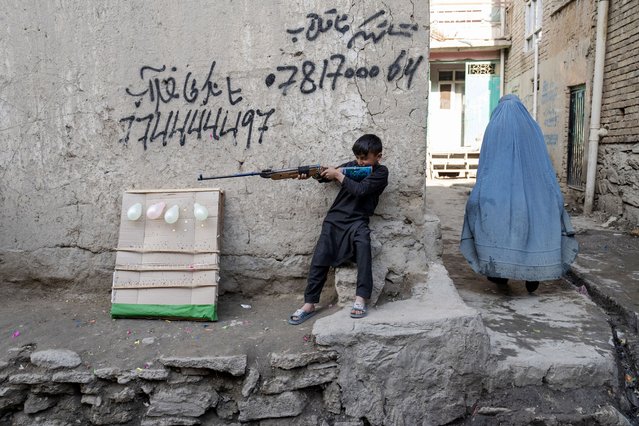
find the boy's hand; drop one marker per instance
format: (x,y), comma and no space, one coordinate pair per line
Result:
(303,176)
(332,173)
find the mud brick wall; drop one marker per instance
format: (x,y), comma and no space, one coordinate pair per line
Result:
(617,169)
(101,97)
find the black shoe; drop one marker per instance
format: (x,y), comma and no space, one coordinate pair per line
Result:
(498,281)
(531,286)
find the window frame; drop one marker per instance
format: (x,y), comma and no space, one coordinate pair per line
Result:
(533,22)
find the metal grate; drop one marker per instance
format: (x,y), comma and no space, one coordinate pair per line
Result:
(576,138)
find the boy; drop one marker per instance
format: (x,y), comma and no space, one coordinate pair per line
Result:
(345,234)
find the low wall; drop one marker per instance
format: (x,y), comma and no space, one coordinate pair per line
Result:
(617,185)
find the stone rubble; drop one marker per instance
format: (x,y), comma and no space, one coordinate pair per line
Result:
(183,392)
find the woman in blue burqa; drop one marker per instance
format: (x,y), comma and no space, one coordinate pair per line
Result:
(515,226)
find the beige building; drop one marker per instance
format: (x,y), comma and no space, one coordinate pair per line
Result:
(552,65)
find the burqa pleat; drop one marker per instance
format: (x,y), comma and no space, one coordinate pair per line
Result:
(515,225)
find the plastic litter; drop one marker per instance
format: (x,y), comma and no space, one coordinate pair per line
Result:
(15,334)
(245,306)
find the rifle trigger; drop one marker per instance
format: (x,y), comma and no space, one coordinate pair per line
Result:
(303,170)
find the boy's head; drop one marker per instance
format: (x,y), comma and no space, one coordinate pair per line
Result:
(368,150)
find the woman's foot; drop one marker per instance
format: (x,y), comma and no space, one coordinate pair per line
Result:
(498,281)
(531,286)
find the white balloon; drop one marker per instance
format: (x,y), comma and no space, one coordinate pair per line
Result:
(200,212)
(155,210)
(134,212)
(172,214)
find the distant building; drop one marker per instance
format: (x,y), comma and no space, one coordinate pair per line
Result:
(467,47)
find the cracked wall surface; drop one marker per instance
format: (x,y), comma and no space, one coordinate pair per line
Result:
(97,98)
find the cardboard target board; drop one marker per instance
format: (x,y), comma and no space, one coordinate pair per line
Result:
(167,262)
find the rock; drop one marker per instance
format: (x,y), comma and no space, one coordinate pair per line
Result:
(4,364)
(12,396)
(181,379)
(250,382)
(182,401)
(322,366)
(109,414)
(147,388)
(93,400)
(125,395)
(492,411)
(49,388)
(631,197)
(235,365)
(227,409)
(302,420)
(29,378)
(292,380)
(92,388)
(148,340)
(610,416)
(126,377)
(290,361)
(56,358)
(287,404)
(73,377)
(23,419)
(170,421)
(21,354)
(194,371)
(635,148)
(332,397)
(152,374)
(107,373)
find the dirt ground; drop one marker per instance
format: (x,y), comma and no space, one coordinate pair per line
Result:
(54,318)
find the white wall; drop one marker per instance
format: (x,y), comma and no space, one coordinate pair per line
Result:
(76,100)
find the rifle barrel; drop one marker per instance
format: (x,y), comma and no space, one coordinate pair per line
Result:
(228,176)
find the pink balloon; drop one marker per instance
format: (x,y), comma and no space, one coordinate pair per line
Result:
(155,210)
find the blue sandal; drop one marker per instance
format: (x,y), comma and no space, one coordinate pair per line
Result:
(300,316)
(358,307)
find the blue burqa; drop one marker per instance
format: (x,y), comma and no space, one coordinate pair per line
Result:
(515,224)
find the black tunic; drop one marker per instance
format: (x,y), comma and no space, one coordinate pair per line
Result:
(354,204)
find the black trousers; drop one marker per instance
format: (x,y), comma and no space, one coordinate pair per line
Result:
(362,256)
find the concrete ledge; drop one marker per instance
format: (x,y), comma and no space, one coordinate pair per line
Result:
(415,361)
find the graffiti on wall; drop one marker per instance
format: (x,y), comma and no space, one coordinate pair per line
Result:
(177,104)
(549,111)
(312,75)
(214,108)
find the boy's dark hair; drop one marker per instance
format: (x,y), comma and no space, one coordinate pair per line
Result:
(368,143)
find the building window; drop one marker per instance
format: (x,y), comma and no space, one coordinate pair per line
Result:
(533,23)
(445,75)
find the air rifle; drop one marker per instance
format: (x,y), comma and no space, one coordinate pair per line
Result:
(315,171)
